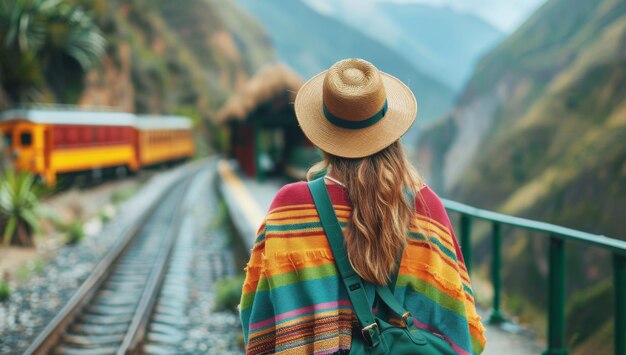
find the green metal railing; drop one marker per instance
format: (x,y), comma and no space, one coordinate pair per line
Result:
(557,274)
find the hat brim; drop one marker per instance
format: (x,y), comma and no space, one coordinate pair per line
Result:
(355,143)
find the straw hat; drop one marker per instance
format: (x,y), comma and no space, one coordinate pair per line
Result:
(353,110)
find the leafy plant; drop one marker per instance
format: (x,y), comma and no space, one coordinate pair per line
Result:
(19,201)
(5,291)
(228,293)
(74,233)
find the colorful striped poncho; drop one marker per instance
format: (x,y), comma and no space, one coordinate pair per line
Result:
(293,300)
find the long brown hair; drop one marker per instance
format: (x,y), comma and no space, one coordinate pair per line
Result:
(381,215)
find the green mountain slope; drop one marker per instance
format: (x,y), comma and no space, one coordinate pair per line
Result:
(311,42)
(162,57)
(540,131)
(207,47)
(437,40)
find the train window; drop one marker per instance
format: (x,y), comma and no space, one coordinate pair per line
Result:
(26,139)
(8,139)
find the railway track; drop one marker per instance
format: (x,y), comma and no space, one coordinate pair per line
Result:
(110,311)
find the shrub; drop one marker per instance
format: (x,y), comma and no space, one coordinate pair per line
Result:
(19,202)
(121,195)
(107,213)
(5,291)
(228,293)
(74,232)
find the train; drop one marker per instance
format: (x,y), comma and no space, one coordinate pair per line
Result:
(50,142)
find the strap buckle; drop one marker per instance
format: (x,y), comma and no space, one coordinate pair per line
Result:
(371,334)
(405,318)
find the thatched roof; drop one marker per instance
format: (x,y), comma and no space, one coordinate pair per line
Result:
(269,82)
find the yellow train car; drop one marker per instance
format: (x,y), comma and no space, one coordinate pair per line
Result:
(49,142)
(163,139)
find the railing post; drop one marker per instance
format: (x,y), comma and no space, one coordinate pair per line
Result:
(556,298)
(619,285)
(466,245)
(496,264)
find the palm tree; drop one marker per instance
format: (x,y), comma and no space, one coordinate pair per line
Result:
(46,41)
(21,34)
(72,47)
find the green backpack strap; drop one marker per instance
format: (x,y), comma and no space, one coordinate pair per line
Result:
(351,280)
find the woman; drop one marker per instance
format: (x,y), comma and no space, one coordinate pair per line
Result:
(293,299)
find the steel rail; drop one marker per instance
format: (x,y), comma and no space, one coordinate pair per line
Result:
(52,332)
(144,310)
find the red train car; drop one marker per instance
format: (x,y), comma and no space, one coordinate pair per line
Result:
(49,142)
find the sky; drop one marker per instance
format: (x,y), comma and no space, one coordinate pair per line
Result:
(506,15)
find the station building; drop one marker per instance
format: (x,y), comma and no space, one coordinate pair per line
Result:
(262,130)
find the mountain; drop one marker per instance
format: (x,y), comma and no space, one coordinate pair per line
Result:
(540,131)
(440,41)
(311,42)
(165,58)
